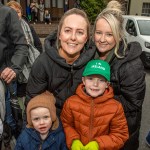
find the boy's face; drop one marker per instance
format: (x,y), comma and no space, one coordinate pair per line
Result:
(95,85)
(41,120)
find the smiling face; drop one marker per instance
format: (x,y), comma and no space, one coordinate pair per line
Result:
(73,35)
(95,85)
(103,36)
(41,120)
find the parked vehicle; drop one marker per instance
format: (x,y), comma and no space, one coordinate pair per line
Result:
(137,28)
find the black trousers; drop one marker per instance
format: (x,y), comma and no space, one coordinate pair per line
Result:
(134,124)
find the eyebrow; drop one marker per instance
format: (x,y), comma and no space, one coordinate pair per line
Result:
(71,28)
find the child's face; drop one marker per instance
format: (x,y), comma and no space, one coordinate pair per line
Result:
(41,120)
(95,85)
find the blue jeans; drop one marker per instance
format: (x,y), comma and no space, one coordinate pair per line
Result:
(8,116)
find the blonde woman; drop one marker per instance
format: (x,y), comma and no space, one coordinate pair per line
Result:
(127,71)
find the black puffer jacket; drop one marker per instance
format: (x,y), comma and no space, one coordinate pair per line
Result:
(128,81)
(128,78)
(13,46)
(51,72)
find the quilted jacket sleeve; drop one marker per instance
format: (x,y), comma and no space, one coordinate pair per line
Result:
(132,81)
(118,132)
(68,124)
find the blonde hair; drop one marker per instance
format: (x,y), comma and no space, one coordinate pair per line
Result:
(113,15)
(16,5)
(72,11)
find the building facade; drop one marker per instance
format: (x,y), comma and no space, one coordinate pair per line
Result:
(140,7)
(55,7)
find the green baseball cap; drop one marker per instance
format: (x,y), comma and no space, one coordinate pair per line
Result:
(97,67)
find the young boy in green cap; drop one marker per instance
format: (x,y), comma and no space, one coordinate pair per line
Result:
(92,118)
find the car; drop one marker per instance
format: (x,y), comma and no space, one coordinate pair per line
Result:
(137,28)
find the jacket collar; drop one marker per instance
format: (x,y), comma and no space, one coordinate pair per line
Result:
(87,53)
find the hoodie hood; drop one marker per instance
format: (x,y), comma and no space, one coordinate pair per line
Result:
(87,53)
(132,51)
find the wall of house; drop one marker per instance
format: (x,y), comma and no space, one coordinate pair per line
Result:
(136,6)
(56,7)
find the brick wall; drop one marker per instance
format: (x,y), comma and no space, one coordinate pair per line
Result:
(44,29)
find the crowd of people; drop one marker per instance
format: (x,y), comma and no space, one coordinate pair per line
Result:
(82,93)
(34,9)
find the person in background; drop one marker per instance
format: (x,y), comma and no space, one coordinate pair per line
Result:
(127,71)
(92,118)
(13,55)
(31,38)
(44,130)
(11,61)
(34,11)
(47,17)
(41,10)
(28,12)
(59,69)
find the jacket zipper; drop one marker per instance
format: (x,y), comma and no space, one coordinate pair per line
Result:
(40,147)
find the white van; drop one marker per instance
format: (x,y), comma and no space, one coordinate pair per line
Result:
(137,28)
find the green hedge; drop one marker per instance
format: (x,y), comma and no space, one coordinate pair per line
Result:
(92,8)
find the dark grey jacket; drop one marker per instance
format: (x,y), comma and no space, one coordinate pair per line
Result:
(13,47)
(128,78)
(128,82)
(130,74)
(51,72)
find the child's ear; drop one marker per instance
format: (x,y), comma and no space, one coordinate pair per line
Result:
(108,83)
(83,80)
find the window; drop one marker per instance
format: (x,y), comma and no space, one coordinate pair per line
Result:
(130,28)
(146,9)
(144,27)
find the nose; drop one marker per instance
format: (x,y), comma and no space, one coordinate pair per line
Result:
(41,121)
(95,82)
(73,36)
(102,38)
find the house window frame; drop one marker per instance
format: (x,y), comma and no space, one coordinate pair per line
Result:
(146,9)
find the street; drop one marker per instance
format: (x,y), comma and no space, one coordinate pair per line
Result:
(145,127)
